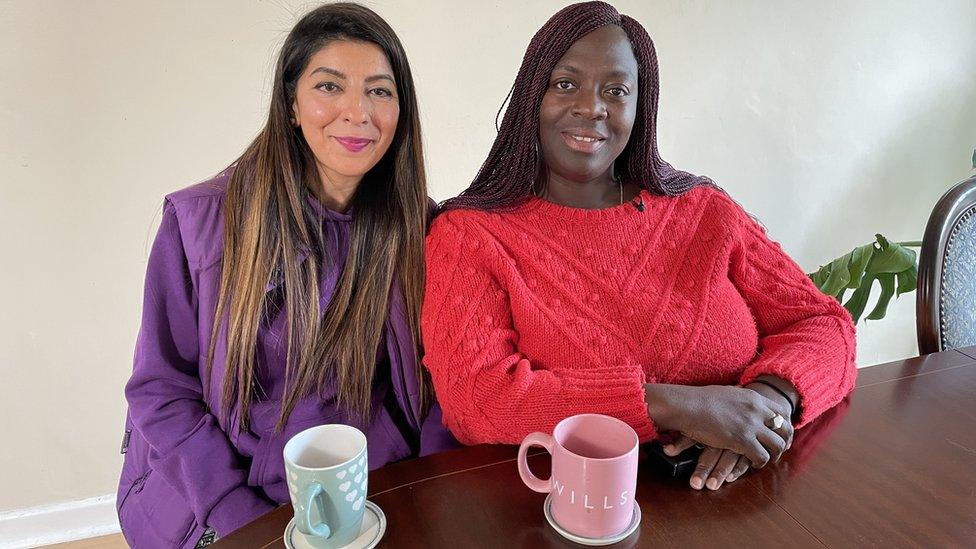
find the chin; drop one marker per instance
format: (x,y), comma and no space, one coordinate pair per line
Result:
(352,170)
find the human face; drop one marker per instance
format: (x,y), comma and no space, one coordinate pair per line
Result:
(347,107)
(588,110)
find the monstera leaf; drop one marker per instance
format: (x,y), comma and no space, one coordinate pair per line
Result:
(891,264)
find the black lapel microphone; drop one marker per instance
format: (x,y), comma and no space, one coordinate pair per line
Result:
(638,203)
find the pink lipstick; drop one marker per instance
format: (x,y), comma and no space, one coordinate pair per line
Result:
(353,144)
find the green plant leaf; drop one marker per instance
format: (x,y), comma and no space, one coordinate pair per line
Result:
(859,259)
(859,299)
(890,263)
(890,257)
(838,277)
(820,276)
(907,280)
(887,281)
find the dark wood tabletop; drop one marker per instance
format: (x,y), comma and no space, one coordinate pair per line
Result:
(894,465)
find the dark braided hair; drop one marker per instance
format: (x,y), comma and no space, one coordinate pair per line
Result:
(508,174)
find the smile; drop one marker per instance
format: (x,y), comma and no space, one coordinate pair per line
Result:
(353,144)
(583,143)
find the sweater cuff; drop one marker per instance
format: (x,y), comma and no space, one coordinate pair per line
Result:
(236,509)
(620,391)
(818,392)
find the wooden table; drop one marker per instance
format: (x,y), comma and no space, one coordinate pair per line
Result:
(892,466)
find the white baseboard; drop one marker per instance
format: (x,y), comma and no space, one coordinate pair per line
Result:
(59,522)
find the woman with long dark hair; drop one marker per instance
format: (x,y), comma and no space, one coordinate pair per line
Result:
(580,272)
(285,293)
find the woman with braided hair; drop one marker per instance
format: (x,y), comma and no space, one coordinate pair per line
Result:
(581,273)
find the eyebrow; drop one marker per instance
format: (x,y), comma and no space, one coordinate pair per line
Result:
(333,72)
(616,73)
(376,77)
(342,75)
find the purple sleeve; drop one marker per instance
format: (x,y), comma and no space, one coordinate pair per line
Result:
(189,449)
(434,436)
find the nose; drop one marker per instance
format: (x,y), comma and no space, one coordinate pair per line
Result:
(590,106)
(355,110)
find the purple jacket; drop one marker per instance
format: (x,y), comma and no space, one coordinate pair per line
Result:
(186,470)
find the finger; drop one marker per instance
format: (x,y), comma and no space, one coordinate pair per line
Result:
(678,446)
(722,470)
(757,454)
(787,432)
(773,442)
(781,426)
(739,469)
(706,462)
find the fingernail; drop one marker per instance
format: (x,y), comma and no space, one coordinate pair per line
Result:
(730,478)
(696,483)
(712,484)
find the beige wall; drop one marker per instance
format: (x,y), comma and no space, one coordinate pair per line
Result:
(830,121)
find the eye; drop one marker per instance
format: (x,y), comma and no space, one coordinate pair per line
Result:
(381,92)
(564,85)
(329,87)
(619,91)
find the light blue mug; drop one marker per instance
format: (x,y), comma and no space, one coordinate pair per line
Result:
(328,474)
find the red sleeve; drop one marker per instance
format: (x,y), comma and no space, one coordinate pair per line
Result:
(806,337)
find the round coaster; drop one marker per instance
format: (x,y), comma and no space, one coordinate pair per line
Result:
(370,533)
(593,542)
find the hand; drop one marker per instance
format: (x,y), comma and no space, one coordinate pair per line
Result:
(783,408)
(728,418)
(715,466)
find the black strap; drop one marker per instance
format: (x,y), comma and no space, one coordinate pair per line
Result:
(781,392)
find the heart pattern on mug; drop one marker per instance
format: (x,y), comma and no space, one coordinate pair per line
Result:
(353,488)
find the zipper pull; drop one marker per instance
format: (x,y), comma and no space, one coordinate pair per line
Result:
(125,440)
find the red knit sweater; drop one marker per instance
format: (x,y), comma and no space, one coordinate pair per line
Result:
(544,312)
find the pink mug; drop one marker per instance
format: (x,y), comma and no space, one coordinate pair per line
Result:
(594,474)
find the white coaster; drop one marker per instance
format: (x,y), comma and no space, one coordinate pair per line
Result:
(370,533)
(634,524)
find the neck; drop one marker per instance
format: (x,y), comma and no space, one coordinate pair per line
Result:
(335,191)
(602,192)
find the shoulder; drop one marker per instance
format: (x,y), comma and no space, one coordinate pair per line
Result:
(207,191)
(717,207)
(198,210)
(462,223)
(462,237)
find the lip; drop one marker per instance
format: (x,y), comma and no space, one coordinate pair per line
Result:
(353,144)
(583,140)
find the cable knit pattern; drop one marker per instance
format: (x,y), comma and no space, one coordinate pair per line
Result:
(543,312)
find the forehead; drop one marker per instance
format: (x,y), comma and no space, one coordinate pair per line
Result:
(605,49)
(351,57)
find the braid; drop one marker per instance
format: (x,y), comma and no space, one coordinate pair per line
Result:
(514,163)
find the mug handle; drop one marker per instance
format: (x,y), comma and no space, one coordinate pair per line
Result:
(533,482)
(304,520)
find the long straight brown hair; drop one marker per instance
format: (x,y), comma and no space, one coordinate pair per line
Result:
(270,226)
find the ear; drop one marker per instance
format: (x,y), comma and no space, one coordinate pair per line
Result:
(296,120)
